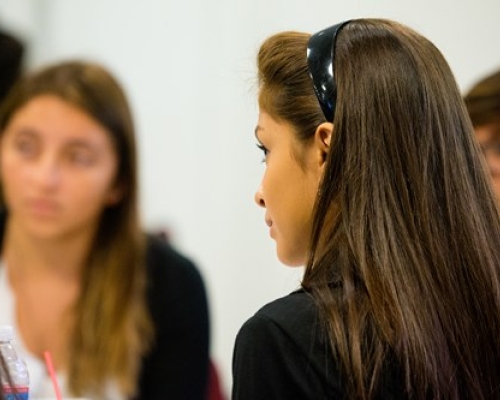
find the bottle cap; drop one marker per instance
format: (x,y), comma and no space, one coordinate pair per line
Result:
(6,333)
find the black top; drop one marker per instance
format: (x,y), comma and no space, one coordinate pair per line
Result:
(177,366)
(281,353)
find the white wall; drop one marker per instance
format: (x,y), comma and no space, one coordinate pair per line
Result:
(188,67)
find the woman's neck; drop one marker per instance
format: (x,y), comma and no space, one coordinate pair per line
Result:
(28,255)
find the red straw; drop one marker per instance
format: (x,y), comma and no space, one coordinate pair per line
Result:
(50,368)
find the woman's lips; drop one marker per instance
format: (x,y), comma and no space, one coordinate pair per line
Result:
(44,207)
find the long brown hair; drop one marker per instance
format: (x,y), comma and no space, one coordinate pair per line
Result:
(113,327)
(405,253)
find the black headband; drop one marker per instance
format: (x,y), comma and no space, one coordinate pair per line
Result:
(320,61)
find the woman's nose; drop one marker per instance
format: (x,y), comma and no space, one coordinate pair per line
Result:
(259,198)
(47,173)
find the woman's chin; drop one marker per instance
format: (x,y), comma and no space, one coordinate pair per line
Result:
(290,259)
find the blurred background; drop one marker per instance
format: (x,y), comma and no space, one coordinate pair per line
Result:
(188,68)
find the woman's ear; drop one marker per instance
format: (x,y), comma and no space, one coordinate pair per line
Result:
(322,140)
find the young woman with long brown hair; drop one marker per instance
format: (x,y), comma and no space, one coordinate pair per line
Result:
(374,181)
(122,313)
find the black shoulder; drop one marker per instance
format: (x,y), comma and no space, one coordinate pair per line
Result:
(163,261)
(280,353)
(295,317)
(174,282)
(293,312)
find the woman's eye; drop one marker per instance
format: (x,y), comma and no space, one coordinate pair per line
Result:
(264,150)
(25,147)
(81,157)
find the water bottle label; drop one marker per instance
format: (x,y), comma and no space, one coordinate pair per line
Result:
(19,396)
(18,393)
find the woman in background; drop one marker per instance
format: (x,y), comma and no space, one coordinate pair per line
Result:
(122,313)
(375,183)
(483,104)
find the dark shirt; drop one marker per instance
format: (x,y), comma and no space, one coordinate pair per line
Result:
(282,353)
(177,366)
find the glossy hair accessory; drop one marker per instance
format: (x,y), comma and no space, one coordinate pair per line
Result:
(320,61)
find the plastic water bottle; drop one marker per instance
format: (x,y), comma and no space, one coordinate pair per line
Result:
(18,387)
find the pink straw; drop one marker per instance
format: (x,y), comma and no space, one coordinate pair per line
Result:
(50,368)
